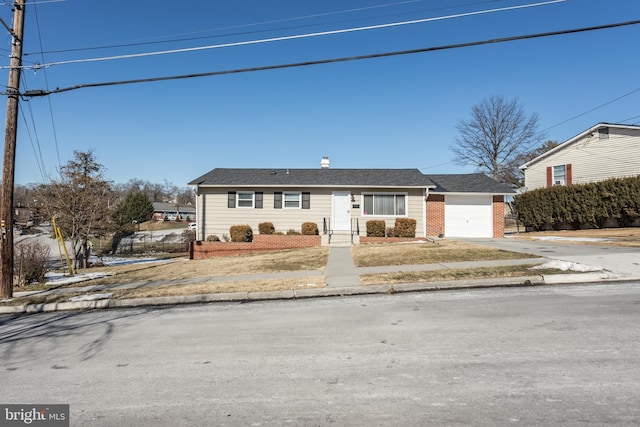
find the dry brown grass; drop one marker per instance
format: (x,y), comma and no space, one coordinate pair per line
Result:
(308,282)
(182,268)
(426,253)
(454,274)
(619,236)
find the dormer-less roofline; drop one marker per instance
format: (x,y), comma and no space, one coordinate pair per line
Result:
(570,141)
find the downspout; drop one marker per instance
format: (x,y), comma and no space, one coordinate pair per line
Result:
(197,213)
(424,212)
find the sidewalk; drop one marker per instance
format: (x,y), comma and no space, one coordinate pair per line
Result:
(342,278)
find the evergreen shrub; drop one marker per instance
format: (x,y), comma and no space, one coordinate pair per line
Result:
(310,229)
(375,228)
(241,233)
(405,227)
(266,228)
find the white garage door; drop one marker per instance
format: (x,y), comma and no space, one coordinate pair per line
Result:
(468,216)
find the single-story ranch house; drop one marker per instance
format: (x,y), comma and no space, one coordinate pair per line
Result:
(341,201)
(173,211)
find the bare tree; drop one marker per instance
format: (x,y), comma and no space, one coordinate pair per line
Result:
(186,196)
(497,133)
(512,173)
(81,201)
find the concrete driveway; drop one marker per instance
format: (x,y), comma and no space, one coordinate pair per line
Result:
(623,261)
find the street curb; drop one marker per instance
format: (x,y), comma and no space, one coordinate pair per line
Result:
(552,279)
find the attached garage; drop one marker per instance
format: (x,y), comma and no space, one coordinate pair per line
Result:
(468,215)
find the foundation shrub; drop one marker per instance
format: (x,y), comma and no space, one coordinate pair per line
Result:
(310,229)
(375,228)
(241,233)
(266,228)
(405,227)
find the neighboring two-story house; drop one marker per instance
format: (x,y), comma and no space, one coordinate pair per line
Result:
(601,152)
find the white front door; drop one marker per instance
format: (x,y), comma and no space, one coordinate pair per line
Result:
(341,210)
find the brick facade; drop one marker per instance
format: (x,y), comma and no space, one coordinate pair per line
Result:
(261,243)
(435,215)
(498,216)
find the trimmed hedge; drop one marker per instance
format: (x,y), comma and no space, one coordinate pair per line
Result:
(581,205)
(310,229)
(241,233)
(266,228)
(405,227)
(375,228)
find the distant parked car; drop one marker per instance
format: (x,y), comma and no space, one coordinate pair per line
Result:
(192,226)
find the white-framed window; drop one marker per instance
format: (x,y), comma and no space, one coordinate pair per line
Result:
(245,199)
(292,200)
(384,204)
(559,175)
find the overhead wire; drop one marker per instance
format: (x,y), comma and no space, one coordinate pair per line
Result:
(164,41)
(46,80)
(35,141)
(333,60)
(293,37)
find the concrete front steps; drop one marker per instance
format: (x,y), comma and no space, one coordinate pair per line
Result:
(339,238)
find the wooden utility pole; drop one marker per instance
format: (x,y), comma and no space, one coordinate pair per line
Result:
(8,169)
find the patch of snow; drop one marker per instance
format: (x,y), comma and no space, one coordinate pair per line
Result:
(576,239)
(57,279)
(567,266)
(90,297)
(122,261)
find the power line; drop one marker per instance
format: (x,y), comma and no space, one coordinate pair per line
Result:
(332,60)
(143,43)
(595,108)
(295,37)
(46,80)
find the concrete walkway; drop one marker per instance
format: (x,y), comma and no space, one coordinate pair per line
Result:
(340,269)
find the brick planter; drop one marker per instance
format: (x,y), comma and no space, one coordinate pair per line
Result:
(261,243)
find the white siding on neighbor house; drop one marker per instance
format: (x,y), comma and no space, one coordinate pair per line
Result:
(215,217)
(591,159)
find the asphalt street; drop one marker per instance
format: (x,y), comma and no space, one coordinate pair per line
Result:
(565,355)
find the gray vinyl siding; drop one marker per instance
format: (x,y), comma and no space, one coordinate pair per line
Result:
(218,217)
(592,159)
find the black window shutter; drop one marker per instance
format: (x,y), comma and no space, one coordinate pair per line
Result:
(306,200)
(231,199)
(258,198)
(277,200)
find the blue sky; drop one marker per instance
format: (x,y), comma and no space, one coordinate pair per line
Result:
(396,112)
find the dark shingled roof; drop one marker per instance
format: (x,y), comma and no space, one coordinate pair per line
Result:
(314,177)
(468,183)
(399,178)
